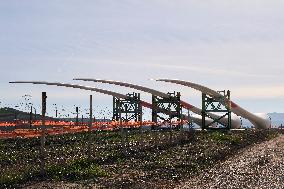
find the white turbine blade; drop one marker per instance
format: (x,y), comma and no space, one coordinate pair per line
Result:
(124,84)
(118,95)
(141,88)
(258,121)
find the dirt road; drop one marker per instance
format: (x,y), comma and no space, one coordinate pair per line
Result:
(259,166)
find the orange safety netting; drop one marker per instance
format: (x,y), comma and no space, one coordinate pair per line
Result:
(61,127)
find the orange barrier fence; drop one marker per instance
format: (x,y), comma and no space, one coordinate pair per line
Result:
(62,127)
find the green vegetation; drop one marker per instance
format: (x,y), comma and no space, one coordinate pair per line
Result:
(8,111)
(76,170)
(150,156)
(222,137)
(11,178)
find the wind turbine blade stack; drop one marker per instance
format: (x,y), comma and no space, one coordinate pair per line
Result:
(235,123)
(118,95)
(257,121)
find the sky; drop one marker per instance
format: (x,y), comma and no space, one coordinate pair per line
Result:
(235,45)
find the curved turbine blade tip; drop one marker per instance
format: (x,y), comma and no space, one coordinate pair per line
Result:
(159,79)
(152,79)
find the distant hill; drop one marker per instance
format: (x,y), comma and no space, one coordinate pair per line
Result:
(277,118)
(10,114)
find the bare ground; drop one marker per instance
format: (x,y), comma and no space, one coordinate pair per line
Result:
(259,166)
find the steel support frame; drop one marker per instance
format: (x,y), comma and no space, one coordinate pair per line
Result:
(166,105)
(216,105)
(127,109)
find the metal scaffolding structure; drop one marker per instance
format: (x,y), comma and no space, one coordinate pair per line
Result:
(170,106)
(127,109)
(218,105)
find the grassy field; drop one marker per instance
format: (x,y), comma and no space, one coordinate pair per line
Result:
(148,159)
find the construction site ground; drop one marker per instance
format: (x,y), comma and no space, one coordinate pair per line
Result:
(241,159)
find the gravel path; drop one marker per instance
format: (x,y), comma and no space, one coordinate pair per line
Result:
(260,166)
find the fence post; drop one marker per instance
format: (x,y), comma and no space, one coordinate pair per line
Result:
(90,128)
(31,114)
(77,116)
(42,138)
